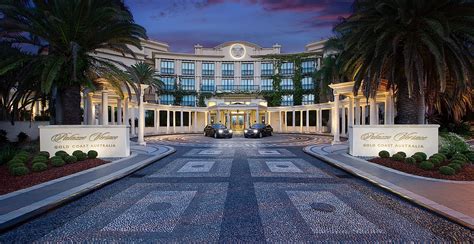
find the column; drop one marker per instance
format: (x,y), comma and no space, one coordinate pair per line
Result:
(119,111)
(266,117)
(141,116)
(357,111)
(294,120)
(373,111)
(190,113)
(319,124)
(280,121)
(377,110)
(112,114)
(228,120)
(218,117)
(85,102)
(247,119)
(174,121)
(301,121)
(181,121)
(350,112)
(195,121)
(269,117)
(388,109)
(207,117)
(343,120)
(168,121)
(157,121)
(126,111)
(90,109)
(364,108)
(132,118)
(307,121)
(104,116)
(335,120)
(257,116)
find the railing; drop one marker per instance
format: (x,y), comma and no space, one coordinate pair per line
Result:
(188,87)
(228,73)
(247,72)
(168,71)
(307,70)
(237,88)
(187,71)
(308,86)
(208,72)
(188,103)
(208,88)
(267,72)
(286,103)
(287,87)
(266,88)
(169,87)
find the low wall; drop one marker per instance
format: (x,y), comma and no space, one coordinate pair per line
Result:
(30,128)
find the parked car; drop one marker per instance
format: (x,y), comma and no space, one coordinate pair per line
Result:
(217,131)
(258,130)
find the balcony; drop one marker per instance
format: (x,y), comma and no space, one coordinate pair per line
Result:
(188,103)
(307,70)
(208,88)
(267,72)
(187,71)
(237,88)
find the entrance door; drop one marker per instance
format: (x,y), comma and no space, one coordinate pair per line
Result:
(237,122)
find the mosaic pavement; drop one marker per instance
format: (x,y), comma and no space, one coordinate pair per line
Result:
(243,194)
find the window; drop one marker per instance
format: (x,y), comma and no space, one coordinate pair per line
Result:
(287,100)
(188,84)
(167,67)
(169,83)
(307,83)
(208,85)
(227,69)
(267,69)
(167,99)
(308,99)
(247,69)
(287,68)
(247,85)
(286,84)
(208,69)
(227,84)
(188,100)
(187,68)
(308,66)
(267,85)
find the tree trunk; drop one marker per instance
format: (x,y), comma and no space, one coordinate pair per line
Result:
(71,105)
(409,109)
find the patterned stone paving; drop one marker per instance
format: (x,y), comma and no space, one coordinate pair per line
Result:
(218,193)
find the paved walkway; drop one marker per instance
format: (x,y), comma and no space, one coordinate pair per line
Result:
(21,205)
(453,199)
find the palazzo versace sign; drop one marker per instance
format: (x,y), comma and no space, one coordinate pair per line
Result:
(108,141)
(369,140)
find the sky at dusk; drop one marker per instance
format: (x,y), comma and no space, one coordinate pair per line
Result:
(290,23)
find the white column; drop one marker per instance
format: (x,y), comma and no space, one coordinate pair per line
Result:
(104,116)
(301,121)
(388,115)
(350,112)
(119,111)
(90,109)
(373,111)
(218,116)
(269,117)
(195,121)
(112,114)
(174,121)
(247,120)
(335,120)
(168,121)
(141,117)
(266,117)
(343,120)
(208,117)
(190,113)
(227,123)
(181,121)
(126,112)
(319,123)
(357,111)
(294,120)
(364,108)
(280,121)
(132,118)
(157,121)
(257,116)
(307,121)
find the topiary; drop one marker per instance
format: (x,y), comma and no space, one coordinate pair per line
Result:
(435,160)
(446,170)
(460,162)
(21,158)
(384,154)
(81,157)
(57,162)
(92,154)
(456,167)
(38,167)
(56,158)
(18,171)
(403,154)
(44,154)
(71,159)
(459,156)
(14,161)
(422,154)
(77,152)
(426,165)
(469,155)
(417,157)
(440,155)
(410,160)
(439,158)
(16,165)
(39,158)
(61,154)
(397,157)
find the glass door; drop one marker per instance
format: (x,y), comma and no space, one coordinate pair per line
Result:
(237,122)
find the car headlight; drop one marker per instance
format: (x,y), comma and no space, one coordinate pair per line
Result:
(221,131)
(255,131)
(246,131)
(230,131)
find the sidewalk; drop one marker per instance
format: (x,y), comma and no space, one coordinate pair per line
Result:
(452,199)
(18,206)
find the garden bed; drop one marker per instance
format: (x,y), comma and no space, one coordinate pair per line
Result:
(12,183)
(467,173)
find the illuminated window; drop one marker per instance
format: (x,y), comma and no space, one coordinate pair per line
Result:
(188,84)
(267,85)
(286,84)
(167,67)
(227,69)
(208,85)
(188,100)
(287,100)
(247,69)
(187,68)
(307,83)
(267,69)
(287,68)
(308,66)
(167,99)
(169,83)
(208,69)
(308,99)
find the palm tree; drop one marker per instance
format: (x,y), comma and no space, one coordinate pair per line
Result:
(71,30)
(143,74)
(420,47)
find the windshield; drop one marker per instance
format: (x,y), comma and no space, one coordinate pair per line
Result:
(257,126)
(218,126)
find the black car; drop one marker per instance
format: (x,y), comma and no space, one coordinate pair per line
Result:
(258,130)
(217,131)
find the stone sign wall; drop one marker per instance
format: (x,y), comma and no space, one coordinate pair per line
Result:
(369,140)
(108,141)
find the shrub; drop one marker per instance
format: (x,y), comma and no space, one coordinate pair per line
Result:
(61,154)
(15,161)
(451,143)
(427,165)
(38,167)
(40,158)
(16,165)
(21,158)
(18,171)
(456,167)
(397,157)
(3,137)
(70,159)
(92,154)
(410,160)
(22,137)
(417,157)
(403,154)
(44,154)
(422,154)
(470,156)
(6,154)
(446,170)
(437,157)
(56,158)
(81,157)
(460,162)
(77,152)
(436,161)
(384,154)
(459,156)
(440,155)
(58,162)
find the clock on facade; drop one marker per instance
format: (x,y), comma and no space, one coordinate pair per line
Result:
(237,51)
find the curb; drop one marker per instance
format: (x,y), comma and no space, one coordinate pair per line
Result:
(19,216)
(428,204)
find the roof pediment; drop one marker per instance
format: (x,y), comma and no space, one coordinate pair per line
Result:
(245,43)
